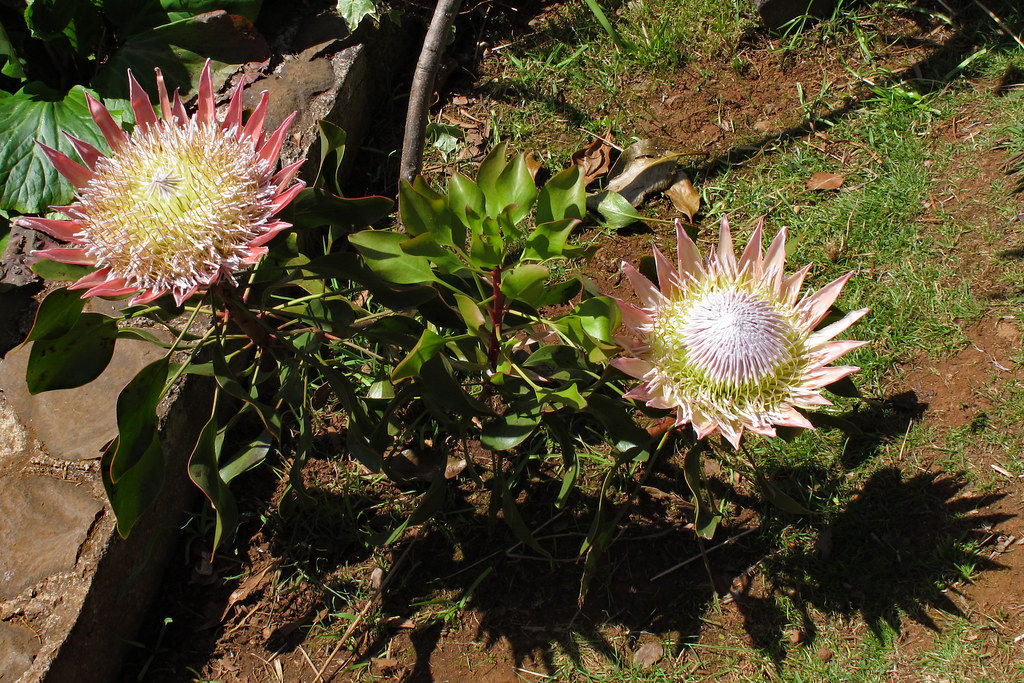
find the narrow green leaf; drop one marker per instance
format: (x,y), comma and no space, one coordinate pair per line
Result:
(230,384)
(693,471)
(248,456)
(426,348)
(204,473)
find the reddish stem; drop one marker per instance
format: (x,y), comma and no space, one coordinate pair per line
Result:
(246,321)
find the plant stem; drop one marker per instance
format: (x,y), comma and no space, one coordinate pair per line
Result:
(497,313)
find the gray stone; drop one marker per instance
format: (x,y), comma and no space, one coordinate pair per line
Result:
(14,259)
(43,524)
(18,647)
(74,424)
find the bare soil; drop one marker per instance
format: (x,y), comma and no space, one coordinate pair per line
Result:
(264,614)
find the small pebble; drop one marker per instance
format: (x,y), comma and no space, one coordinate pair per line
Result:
(825,654)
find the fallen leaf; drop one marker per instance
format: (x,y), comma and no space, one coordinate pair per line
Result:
(648,655)
(594,160)
(823,180)
(683,195)
(642,169)
(533,163)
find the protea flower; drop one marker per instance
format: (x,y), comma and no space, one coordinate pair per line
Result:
(177,203)
(729,344)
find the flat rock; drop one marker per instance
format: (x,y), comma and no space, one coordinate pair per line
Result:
(18,648)
(43,523)
(74,424)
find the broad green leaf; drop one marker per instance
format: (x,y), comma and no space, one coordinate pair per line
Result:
(487,177)
(516,188)
(444,138)
(561,294)
(354,11)
(314,207)
(332,148)
(29,181)
(425,245)
(12,65)
(423,213)
(472,315)
(563,196)
(547,240)
(616,416)
(204,472)
(179,49)
(463,194)
(506,432)
(230,384)
(133,465)
(525,282)
(613,209)
(382,251)
(75,358)
(56,315)
(569,397)
(426,348)
(54,270)
(706,520)
(599,317)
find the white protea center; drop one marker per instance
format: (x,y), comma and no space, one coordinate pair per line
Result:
(729,344)
(175,205)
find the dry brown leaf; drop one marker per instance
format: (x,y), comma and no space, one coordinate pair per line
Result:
(248,586)
(648,655)
(823,180)
(684,197)
(641,169)
(533,163)
(594,160)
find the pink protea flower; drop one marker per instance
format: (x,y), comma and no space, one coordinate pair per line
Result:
(729,344)
(177,203)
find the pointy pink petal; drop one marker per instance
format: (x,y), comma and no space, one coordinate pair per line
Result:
(285,175)
(836,349)
(790,417)
(180,115)
(254,125)
(816,306)
(687,254)
(273,229)
(255,254)
(812,400)
(165,102)
(144,114)
(668,278)
(233,118)
(112,133)
(644,288)
(181,296)
(750,260)
(114,287)
(790,290)
(73,255)
(638,393)
(763,430)
(89,154)
(822,377)
(829,331)
(91,280)
(726,256)
(62,230)
(775,260)
(703,429)
(632,316)
(206,107)
(72,170)
(731,433)
(71,211)
(634,367)
(269,151)
(146,296)
(285,198)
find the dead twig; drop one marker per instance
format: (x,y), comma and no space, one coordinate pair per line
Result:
(728,541)
(423,87)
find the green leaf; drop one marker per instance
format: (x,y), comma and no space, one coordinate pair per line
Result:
(463,194)
(564,196)
(133,465)
(315,207)
(599,316)
(28,181)
(506,432)
(179,49)
(615,212)
(13,66)
(54,270)
(693,471)
(178,9)
(332,149)
(382,251)
(204,472)
(547,240)
(73,359)
(487,177)
(472,315)
(424,211)
(426,348)
(227,381)
(516,188)
(561,294)
(425,245)
(354,11)
(525,282)
(444,138)
(56,315)
(569,397)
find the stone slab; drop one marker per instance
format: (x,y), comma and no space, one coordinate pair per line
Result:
(18,648)
(74,424)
